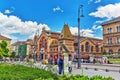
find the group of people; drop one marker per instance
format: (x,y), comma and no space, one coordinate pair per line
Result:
(60,63)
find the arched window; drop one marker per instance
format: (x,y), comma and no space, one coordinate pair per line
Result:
(91,48)
(118,28)
(97,48)
(110,51)
(118,40)
(109,40)
(43,42)
(101,49)
(110,30)
(118,51)
(82,48)
(87,47)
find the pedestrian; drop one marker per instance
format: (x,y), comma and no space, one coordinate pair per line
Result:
(70,66)
(70,63)
(50,60)
(94,61)
(60,64)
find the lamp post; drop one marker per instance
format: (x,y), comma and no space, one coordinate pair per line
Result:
(34,52)
(79,15)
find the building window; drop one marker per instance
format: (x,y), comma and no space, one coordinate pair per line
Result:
(110,51)
(118,40)
(109,30)
(97,48)
(118,28)
(82,48)
(87,46)
(118,51)
(91,48)
(109,40)
(101,49)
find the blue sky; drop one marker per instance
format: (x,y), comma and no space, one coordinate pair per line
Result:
(21,19)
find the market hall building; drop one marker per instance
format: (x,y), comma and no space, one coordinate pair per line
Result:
(50,44)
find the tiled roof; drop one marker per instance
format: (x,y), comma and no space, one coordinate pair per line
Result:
(18,43)
(52,32)
(4,38)
(94,40)
(55,36)
(30,42)
(111,21)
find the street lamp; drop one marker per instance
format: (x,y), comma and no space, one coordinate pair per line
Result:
(79,16)
(35,52)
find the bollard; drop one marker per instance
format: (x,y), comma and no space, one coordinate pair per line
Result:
(86,68)
(95,69)
(106,70)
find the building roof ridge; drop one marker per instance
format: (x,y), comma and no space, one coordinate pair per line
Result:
(111,21)
(4,37)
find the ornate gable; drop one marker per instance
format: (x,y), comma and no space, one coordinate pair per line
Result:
(66,32)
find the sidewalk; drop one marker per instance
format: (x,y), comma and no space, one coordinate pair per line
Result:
(92,72)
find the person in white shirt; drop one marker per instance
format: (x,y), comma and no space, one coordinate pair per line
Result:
(70,64)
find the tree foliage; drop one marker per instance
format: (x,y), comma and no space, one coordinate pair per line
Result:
(3,49)
(104,52)
(22,49)
(13,54)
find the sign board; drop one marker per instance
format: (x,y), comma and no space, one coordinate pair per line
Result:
(65,62)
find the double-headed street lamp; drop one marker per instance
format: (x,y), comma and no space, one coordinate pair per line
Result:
(79,16)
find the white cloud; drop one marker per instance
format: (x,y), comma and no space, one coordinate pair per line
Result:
(97,1)
(57,9)
(10,25)
(95,27)
(7,11)
(99,21)
(108,11)
(83,32)
(89,1)
(86,32)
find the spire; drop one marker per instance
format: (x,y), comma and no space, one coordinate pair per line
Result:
(66,32)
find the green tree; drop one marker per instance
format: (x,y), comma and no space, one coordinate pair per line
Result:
(13,54)
(104,52)
(3,49)
(22,49)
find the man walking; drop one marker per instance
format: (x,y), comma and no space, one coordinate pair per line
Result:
(60,64)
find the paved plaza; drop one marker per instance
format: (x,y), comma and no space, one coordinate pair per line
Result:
(112,70)
(92,72)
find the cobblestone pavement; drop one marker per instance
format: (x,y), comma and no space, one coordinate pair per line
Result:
(110,67)
(92,72)
(106,70)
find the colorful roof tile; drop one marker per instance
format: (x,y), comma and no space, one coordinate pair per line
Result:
(4,38)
